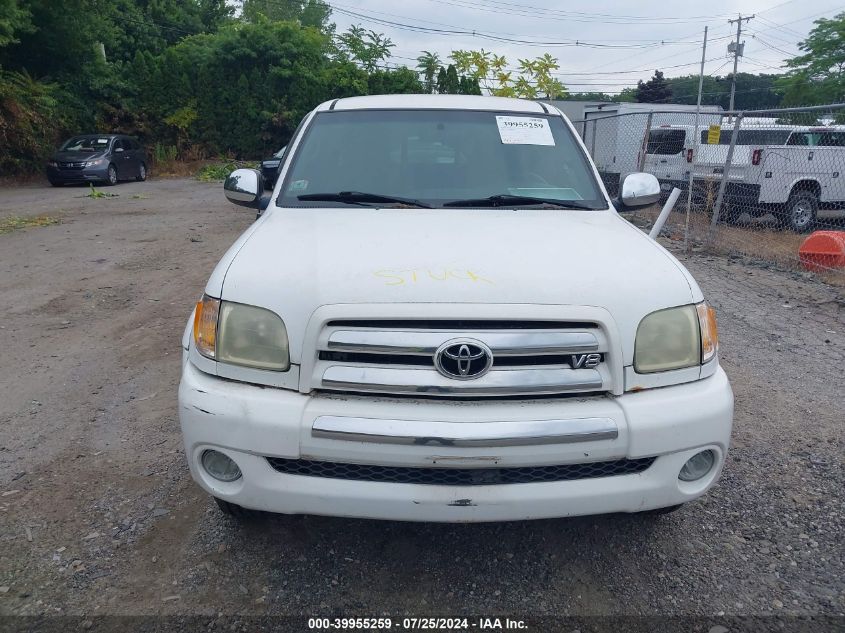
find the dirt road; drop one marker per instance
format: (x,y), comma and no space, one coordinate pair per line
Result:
(98,513)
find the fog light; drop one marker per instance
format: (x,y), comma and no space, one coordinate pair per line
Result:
(220,466)
(697,466)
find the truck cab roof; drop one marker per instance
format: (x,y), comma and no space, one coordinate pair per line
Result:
(438,102)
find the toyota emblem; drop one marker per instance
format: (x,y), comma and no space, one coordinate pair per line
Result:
(463,359)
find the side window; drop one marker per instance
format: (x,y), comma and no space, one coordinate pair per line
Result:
(118,144)
(832,139)
(666,142)
(799,138)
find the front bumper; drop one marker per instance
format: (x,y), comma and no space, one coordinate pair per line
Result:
(88,174)
(250,423)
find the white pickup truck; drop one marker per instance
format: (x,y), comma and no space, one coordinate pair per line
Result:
(440,316)
(792,172)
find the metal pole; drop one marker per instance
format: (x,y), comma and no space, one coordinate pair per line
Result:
(697,141)
(725,175)
(738,21)
(736,60)
(593,141)
(664,213)
(644,146)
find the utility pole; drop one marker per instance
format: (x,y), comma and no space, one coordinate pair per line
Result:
(738,50)
(697,140)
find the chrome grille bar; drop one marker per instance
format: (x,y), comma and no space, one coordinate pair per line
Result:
(502,343)
(501,382)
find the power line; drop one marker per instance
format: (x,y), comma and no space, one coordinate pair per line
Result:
(499,7)
(806,17)
(772,46)
(454,30)
(591,74)
(764,64)
(605,65)
(777,6)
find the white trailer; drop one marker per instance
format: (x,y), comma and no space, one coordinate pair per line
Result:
(617,135)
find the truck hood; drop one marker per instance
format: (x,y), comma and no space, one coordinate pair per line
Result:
(296,260)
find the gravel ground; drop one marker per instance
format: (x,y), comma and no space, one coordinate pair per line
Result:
(98,514)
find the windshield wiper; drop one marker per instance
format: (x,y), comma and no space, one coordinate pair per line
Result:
(356,197)
(507,200)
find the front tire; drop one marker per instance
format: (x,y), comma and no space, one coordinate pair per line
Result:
(800,212)
(142,173)
(730,215)
(235,511)
(112,175)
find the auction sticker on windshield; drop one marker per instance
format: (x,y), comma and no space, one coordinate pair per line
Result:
(524,130)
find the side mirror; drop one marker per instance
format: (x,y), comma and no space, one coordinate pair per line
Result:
(638,190)
(119,149)
(244,187)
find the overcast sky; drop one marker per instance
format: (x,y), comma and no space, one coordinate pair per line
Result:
(634,36)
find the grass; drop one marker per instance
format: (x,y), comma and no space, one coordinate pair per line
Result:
(96,193)
(15,222)
(757,241)
(217,172)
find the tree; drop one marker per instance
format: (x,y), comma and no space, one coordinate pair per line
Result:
(590,96)
(366,48)
(753,92)
(537,79)
(534,77)
(448,82)
(428,64)
(14,19)
(314,13)
(655,90)
(394,81)
(469,86)
(818,76)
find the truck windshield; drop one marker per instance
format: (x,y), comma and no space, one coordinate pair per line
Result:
(435,157)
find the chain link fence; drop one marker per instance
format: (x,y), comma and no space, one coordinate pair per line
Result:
(753,183)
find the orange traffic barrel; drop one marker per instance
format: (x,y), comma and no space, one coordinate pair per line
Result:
(823,250)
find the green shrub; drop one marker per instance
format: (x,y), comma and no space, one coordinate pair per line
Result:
(34,118)
(164,154)
(217,172)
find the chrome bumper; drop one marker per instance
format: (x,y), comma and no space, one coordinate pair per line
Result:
(464,434)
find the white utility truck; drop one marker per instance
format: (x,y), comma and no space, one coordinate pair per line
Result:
(441,316)
(792,172)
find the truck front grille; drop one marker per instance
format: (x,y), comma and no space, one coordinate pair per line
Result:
(459,476)
(529,358)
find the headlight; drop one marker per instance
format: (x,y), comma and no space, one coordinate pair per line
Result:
(709,331)
(241,335)
(676,338)
(94,163)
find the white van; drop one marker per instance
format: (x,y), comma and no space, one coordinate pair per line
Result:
(669,154)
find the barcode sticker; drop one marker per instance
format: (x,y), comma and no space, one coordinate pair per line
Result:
(524,130)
